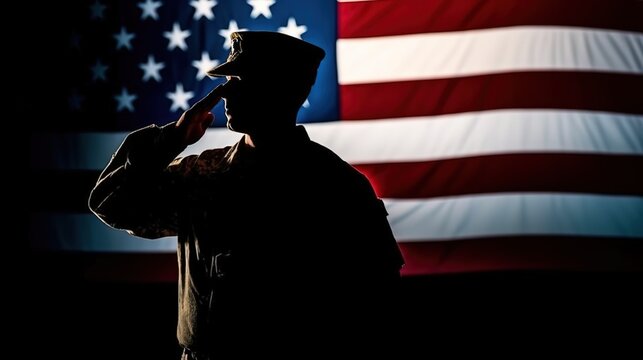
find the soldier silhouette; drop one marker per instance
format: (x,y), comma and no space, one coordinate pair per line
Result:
(279,240)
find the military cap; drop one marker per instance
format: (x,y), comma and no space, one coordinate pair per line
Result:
(265,53)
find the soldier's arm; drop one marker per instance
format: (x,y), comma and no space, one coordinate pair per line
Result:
(380,244)
(140,190)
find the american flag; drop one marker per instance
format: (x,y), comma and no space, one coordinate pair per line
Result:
(502,134)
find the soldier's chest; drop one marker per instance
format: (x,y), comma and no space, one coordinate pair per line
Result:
(246,206)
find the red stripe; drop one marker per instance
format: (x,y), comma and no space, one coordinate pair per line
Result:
(383,18)
(524,252)
(126,267)
(553,89)
(543,172)
(422,258)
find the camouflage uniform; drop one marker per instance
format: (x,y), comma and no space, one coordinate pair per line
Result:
(276,243)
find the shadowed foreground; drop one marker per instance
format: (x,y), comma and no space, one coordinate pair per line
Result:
(536,310)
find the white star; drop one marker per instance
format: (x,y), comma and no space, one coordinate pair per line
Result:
(98,71)
(149,9)
(179,98)
(292,29)
(75,100)
(232,27)
(261,7)
(97,10)
(306,104)
(125,100)
(151,69)
(203,8)
(204,65)
(123,39)
(177,37)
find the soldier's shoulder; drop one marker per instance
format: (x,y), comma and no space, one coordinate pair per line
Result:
(211,160)
(328,161)
(214,154)
(320,152)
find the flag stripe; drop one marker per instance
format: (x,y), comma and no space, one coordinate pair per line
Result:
(385,18)
(401,140)
(434,257)
(113,267)
(476,52)
(483,133)
(610,92)
(512,214)
(597,253)
(92,150)
(451,218)
(581,173)
(85,232)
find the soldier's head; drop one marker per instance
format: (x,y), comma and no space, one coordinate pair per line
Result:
(269,75)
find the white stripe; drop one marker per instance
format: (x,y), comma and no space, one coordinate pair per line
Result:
(475,52)
(352,0)
(516,214)
(92,151)
(412,220)
(483,133)
(85,232)
(408,139)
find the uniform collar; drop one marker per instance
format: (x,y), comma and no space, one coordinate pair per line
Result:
(243,155)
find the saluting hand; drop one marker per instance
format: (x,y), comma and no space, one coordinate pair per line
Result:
(195,121)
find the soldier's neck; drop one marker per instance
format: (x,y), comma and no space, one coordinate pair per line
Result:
(274,139)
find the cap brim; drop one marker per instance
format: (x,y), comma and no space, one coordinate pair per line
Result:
(230,68)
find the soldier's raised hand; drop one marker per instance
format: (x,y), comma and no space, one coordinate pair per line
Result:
(194,122)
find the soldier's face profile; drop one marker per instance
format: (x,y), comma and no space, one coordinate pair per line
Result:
(245,100)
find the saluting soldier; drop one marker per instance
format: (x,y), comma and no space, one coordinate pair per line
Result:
(279,239)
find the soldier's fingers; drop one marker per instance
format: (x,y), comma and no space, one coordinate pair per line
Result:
(210,100)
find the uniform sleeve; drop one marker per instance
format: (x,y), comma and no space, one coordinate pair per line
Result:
(141,189)
(380,244)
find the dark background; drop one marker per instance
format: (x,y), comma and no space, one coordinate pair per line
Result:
(510,313)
